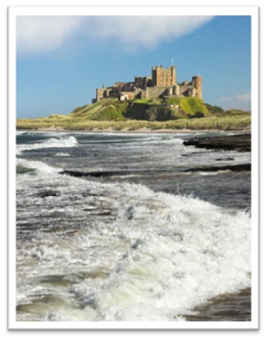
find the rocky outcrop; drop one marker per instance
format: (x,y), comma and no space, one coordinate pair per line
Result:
(148,112)
(234,167)
(240,142)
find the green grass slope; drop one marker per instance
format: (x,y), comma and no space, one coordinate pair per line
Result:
(154,114)
(108,109)
(189,105)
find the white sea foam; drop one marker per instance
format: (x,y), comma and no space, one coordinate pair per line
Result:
(157,257)
(183,252)
(107,252)
(62,154)
(42,168)
(62,142)
(21,132)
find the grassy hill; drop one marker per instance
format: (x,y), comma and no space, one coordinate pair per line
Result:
(106,109)
(141,109)
(171,113)
(189,105)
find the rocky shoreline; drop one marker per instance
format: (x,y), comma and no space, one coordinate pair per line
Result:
(235,167)
(240,142)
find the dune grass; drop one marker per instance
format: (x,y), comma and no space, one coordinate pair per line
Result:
(110,113)
(206,123)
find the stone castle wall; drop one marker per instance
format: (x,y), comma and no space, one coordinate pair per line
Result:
(161,82)
(153,92)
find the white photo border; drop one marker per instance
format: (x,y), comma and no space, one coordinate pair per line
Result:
(13,13)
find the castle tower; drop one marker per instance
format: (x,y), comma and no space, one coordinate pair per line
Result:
(100,93)
(163,76)
(197,84)
(172,76)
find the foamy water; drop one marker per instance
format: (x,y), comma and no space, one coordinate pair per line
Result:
(119,251)
(63,142)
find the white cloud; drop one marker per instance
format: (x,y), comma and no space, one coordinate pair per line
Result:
(145,31)
(238,101)
(40,33)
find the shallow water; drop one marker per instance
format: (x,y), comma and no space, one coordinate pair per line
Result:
(132,234)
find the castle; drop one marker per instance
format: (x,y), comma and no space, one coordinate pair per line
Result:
(161,83)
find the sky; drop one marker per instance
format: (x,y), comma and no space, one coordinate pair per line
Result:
(60,61)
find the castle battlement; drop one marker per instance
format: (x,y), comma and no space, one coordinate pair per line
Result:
(162,82)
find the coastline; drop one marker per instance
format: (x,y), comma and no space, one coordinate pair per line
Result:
(141,130)
(202,138)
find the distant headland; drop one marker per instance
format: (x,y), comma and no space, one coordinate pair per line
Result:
(153,103)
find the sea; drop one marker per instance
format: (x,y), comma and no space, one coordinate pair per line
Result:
(123,227)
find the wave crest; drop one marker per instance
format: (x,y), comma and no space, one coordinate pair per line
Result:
(63,142)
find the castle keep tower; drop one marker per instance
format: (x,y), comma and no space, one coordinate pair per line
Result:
(163,76)
(197,84)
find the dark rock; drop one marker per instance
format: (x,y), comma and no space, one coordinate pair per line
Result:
(224,159)
(236,167)
(240,142)
(47,193)
(227,307)
(76,173)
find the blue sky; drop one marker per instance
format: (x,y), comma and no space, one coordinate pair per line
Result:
(61,60)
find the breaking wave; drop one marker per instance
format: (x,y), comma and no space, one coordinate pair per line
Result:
(122,252)
(63,142)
